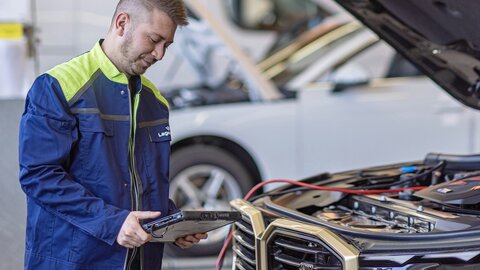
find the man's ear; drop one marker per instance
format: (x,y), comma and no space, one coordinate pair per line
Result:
(121,21)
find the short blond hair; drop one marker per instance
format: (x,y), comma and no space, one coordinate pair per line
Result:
(175,9)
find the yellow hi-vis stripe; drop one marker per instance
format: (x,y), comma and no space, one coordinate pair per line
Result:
(11,30)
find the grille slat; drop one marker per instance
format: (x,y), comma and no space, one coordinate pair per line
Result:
(244,245)
(298,262)
(288,260)
(244,254)
(244,241)
(306,249)
(241,266)
(288,251)
(245,227)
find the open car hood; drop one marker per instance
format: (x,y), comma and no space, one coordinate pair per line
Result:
(440,37)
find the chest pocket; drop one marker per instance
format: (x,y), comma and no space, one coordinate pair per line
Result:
(97,145)
(157,151)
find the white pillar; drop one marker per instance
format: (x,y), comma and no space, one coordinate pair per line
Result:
(13,68)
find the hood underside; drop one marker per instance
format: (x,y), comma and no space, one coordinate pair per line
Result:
(440,37)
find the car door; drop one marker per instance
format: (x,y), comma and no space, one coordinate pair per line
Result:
(368,109)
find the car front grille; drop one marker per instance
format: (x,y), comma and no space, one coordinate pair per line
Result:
(290,244)
(286,244)
(244,245)
(290,250)
(246,237)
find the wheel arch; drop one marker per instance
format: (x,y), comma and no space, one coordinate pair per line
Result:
(227,145)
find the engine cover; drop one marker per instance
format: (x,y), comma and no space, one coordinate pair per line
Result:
(465,192)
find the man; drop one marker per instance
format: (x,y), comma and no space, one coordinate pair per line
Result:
(94,149)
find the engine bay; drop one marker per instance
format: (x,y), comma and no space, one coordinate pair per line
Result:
(382,214)
(440,194)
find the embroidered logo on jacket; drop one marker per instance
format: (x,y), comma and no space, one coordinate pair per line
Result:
(165,133)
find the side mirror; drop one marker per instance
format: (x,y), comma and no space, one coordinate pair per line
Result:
(348,76)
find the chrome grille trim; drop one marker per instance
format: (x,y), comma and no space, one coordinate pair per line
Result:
(244,228)
(240,266)
(239,238)
(246,237)
(240,253)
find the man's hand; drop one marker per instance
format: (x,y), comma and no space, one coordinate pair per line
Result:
(190,240)
(132,234)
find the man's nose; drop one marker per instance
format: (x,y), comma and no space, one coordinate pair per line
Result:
(159,51)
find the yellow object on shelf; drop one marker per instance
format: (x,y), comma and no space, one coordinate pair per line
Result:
(11,30)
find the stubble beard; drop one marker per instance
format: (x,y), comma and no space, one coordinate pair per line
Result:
(128,59)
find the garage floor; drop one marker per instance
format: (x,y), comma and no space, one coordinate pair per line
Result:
(207,263)
(12,199)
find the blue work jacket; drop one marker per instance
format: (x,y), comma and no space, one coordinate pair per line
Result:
(92,149)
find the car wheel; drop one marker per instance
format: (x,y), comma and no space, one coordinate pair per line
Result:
(206,177)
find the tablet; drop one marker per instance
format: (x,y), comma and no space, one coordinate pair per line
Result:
(182,223)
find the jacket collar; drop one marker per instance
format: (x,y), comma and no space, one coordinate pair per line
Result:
(107,67)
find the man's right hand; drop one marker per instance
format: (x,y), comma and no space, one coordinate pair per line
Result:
(132,234)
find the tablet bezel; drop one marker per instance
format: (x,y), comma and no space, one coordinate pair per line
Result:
(182,223)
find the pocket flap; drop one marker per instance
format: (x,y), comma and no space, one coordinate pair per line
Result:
(93,123)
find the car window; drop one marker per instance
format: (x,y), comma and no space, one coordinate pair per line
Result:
(377,61)
(276,15)
(289,68)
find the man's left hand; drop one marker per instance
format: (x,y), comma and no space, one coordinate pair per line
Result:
(190,240)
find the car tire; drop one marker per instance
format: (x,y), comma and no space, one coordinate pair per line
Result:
(196,166)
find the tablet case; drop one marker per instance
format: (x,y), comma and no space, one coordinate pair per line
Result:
(182,223)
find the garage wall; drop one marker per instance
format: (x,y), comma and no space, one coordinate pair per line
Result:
(12,199)
(69,28)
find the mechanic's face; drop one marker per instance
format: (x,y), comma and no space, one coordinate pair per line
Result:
(145,42)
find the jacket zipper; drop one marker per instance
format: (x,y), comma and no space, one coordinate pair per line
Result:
(135,189)
(128,260)
(138,180)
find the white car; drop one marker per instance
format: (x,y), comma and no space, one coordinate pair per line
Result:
(343,99)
